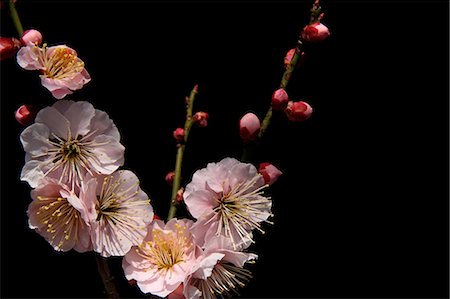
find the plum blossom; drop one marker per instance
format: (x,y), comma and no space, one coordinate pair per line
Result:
(62,70)
(219,271)
(119,212)
(59,216)
(164,259)
(69,140)
(227,199)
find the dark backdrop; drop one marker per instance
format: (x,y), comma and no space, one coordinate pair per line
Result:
(362,208)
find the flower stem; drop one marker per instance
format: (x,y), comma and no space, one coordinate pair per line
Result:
(15,17)
(180,152)
(107,278)
(284,82)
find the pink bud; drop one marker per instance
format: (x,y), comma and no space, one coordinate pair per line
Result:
(178,134)
(280,99)
(269,172)
(315,32)
(26,114)
(8,47)
(249,127)
(201,119)
(180,194)
(169,177)
(298,111)
(288,57)
(31,35)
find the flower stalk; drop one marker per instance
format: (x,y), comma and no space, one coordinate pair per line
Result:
(180,152)
(15,17)
(107,278)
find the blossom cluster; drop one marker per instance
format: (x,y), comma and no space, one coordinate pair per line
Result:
(83,199)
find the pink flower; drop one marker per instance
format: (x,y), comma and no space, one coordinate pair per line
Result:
(59,216)
(31,36)
(219,271)
(269,172)
(8,47)
(227,199)
(298,111)
(25,114)
(201,119)
(280,99)
(178,134)
(249,126)
(315,32)
(119,212)
(68,140)
(165,257)
(62,70)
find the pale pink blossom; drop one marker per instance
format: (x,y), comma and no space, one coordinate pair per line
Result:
(31,36)
(219,271)
(227,199)
(62,70)
(269,172)
(164,259)
(59,216)
(69,140)
(119,212)
(249,127)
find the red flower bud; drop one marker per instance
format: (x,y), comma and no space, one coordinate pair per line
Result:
(249,127)
(280,99)
(156,217)
(178,134)
(288,57)
(201,119)
(8,47)
(169,177)
(315,32)
(269,172)
(31,35)
(180,194)
(298,111)
(26,114)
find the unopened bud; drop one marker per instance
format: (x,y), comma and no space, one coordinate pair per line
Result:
(169,177)
(178,134)
(180,194)
(315,32)
(156,217)
(249,127)
(8,47)
(288,57)
(298,111)
(280,99)
(132,282)
(201,119)
(31,35)
(26,114)
(269,172)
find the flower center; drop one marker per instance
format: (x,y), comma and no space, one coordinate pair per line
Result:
(224,280)
(61,63)
(60,217)
(241,209)
(167,248)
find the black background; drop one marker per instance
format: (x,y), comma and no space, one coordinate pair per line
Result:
(362,207)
